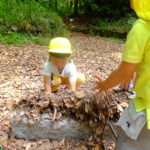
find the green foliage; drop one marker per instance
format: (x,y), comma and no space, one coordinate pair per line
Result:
(40,40)
(119,40)
(31,17)
(22,39)
(109,9)
(60,6)
(26,21)
(69,7)
(122,25)
(11,38)
(118,28)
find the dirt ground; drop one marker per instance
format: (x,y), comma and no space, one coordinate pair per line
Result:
(21,70)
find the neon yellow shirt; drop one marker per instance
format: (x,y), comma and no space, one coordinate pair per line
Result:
(137,50)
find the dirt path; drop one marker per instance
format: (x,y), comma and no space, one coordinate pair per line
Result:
(21,69)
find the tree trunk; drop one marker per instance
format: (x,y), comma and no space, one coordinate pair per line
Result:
(56,4)
(76,7)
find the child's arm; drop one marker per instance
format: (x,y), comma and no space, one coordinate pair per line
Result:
(72,86)
(47,84)
(123,74)
(72,77)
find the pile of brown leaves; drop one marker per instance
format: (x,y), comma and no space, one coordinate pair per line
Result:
(83,105)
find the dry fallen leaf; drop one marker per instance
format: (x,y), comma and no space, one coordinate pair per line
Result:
(79,103)
(55,113)
(97,147)
(119,107)
(80,94)
(81,116)
(4,143)
(124,104)
(88,108)
(31,122)
(99,130)
(43,104)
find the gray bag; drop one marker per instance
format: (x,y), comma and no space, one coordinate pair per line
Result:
(125,143)
(132,122)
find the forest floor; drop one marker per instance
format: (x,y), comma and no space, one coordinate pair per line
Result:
(21,69)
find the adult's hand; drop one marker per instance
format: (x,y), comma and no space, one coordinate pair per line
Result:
(99,87)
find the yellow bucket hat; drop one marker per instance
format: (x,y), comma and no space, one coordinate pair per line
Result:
(142,8)
(60,45)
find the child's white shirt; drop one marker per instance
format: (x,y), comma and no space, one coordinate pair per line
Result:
(69,71)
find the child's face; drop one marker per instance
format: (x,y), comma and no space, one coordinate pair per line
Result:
(59,62)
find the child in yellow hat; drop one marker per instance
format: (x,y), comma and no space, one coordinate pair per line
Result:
(59,69)
(136,58)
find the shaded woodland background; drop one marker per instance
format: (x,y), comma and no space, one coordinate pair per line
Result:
(30,21)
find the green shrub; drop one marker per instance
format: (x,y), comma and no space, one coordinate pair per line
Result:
(106,28)
(22,39)
(30,17)
(14,38)
(112,10)
(40,40)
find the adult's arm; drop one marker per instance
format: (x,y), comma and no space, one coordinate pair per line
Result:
(123,74)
